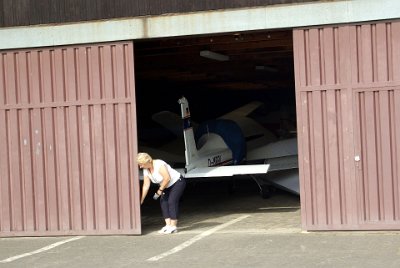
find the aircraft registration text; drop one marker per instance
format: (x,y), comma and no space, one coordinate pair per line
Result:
(214,160)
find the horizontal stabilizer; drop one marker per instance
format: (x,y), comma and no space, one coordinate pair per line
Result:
(283,163)
(225,171)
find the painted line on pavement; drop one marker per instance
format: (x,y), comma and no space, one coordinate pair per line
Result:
(196,238)
(279,208)
(40,250)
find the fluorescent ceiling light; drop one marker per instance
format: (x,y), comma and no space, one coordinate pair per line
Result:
(213,55)
(267,68)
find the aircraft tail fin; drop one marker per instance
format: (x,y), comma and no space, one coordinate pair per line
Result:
(191,153)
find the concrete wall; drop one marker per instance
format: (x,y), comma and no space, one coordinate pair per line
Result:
(209,22)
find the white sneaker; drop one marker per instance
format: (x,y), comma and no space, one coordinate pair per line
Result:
(171,230)
(162,231)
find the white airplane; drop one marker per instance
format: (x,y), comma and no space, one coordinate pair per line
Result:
(214,159)
(255,134)
(227,145)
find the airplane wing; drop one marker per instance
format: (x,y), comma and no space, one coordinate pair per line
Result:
(281,148)
(170,121)
(287,180)
(244,110)
(173,121)
(227,171)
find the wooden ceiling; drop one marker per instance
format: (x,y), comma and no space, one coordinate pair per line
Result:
(260,67)
(257,61)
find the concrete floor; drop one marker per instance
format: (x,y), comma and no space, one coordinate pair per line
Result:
(218,228)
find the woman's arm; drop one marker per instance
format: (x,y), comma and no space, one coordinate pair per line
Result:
(145,188)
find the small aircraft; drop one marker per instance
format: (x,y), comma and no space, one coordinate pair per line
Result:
(227,146)
(214,159)
(254,133)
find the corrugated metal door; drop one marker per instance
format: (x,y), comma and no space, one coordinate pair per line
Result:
(348,99)
(68,141)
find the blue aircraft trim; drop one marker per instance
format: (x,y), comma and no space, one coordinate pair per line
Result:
(187,123)
(230,132)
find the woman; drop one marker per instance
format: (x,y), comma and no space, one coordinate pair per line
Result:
(171,187)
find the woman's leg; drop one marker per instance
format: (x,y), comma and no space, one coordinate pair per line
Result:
(174,197)
(165,207)
(165,213)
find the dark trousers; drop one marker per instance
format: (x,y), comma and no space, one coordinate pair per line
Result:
(169,201)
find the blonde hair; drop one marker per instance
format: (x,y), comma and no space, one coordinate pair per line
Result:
(144,158)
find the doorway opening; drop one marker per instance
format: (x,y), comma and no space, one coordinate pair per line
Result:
(217,74)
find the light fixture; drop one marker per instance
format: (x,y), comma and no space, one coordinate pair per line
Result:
(213,55)
(266,68)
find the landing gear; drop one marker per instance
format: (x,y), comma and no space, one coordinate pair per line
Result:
(265,189)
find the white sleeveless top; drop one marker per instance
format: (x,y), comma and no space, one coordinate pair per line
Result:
(156,177)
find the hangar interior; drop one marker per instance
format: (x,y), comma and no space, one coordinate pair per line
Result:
(254,66)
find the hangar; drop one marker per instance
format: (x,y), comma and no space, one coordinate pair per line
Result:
(68,95)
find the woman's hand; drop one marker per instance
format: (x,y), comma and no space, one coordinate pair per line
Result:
(145,188)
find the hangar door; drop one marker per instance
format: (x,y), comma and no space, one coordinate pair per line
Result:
(348,108)
(68,140)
